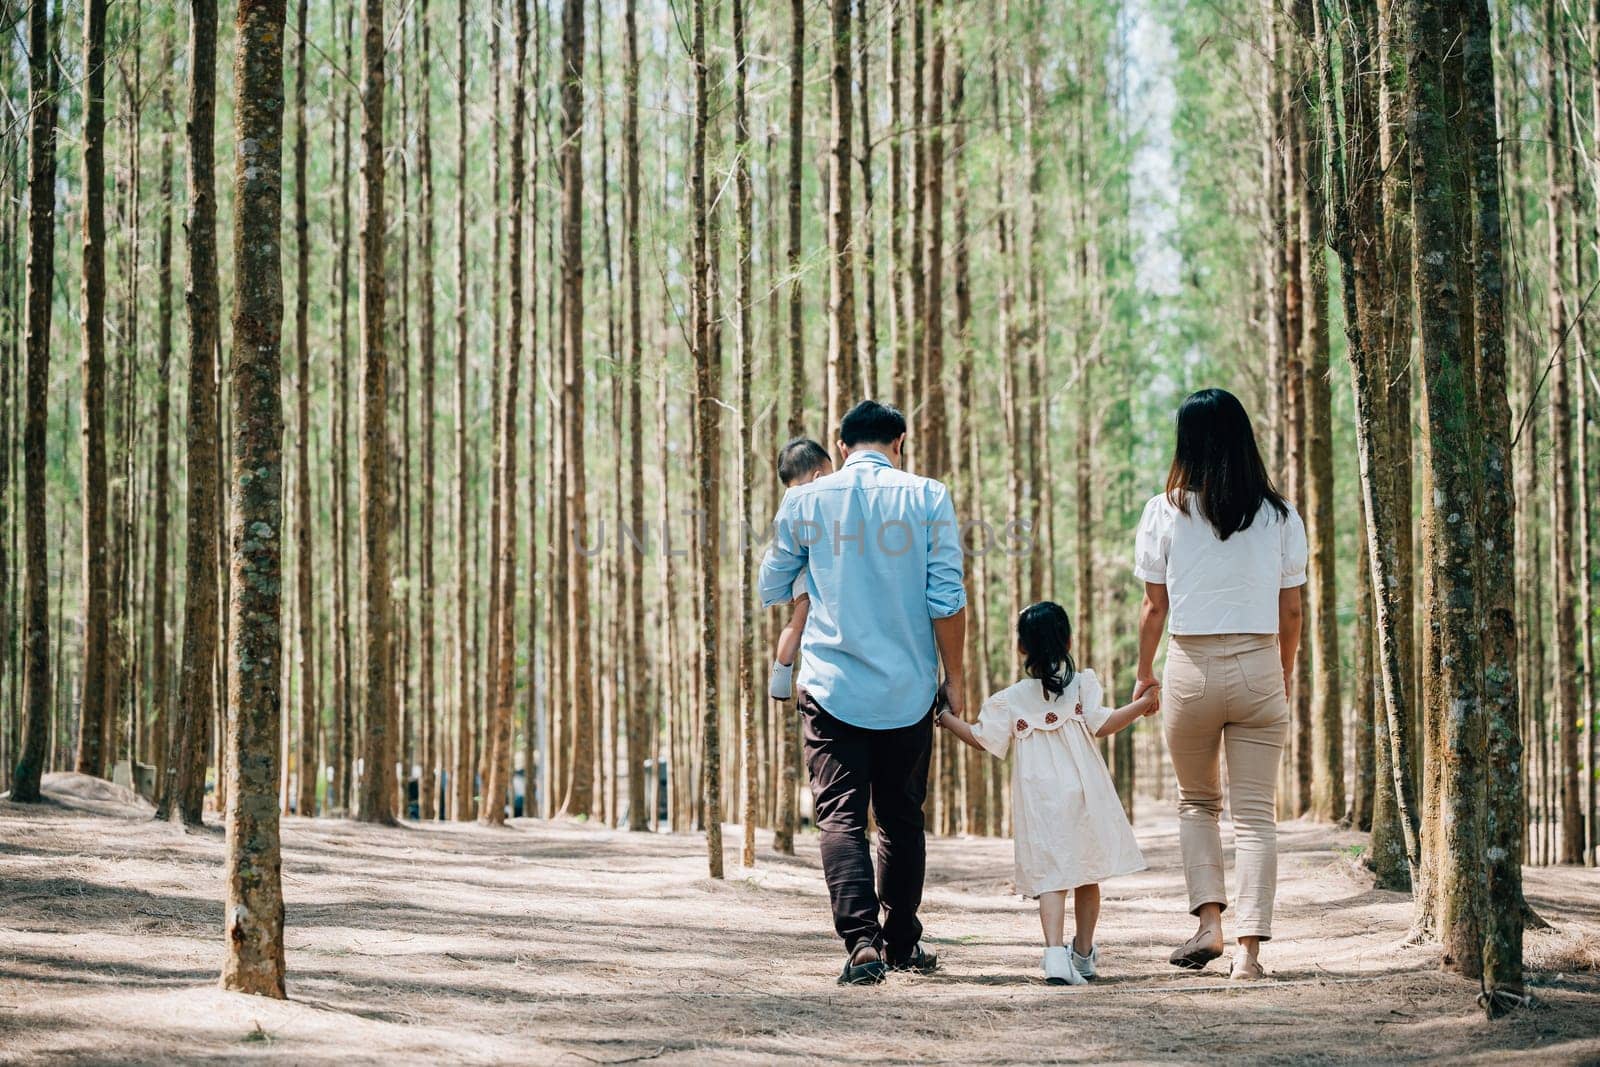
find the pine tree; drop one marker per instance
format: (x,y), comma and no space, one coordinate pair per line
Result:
(93,730)
(43,78)
(377,788)
(190,740)
(254,960)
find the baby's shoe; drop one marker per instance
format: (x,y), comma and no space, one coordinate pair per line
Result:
(1058,969)
(1087,965)
(780,683)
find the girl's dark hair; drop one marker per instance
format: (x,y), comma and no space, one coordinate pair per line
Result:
(1045,635)
(1217,463)
(799,457)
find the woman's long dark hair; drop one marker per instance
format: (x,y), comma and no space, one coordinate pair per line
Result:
(1045,635)
(1217,464)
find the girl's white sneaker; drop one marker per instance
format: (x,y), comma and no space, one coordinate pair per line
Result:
(1088,966)
(1058,969)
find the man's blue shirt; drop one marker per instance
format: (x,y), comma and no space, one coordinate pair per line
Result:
(882,554)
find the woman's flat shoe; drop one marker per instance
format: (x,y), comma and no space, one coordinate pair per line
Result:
(1246,969)
(1194,953)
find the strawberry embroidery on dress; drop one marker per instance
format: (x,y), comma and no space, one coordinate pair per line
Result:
(1050,719)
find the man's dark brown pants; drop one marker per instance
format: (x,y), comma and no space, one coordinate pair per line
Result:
(851,767)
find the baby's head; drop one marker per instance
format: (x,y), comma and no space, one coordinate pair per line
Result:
(1044,638)
(802,460)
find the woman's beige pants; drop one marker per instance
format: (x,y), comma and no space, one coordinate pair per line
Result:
(1223,695)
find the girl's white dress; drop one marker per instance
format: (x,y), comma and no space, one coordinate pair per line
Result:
(1069,826)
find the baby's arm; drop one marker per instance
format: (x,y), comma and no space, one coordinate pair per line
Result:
(789,639)
(780,682)
(1123,716)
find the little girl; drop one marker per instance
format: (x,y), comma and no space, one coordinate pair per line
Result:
(1071,832)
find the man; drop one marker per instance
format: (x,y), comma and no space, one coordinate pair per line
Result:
(883,557)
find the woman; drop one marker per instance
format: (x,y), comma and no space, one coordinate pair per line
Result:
(1223,557)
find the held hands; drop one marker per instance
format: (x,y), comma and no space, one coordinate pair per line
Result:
(1148,691)
(951,699)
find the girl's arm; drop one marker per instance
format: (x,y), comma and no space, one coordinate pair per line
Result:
(960,727)
(1119,719)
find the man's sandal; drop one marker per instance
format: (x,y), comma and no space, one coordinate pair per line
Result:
(859,969)
(920,960)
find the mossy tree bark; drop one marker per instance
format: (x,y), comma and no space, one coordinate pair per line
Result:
(254,914)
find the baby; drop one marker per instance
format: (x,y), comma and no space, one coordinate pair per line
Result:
(800,461)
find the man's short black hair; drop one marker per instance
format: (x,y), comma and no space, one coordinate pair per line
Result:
(871,423)
(799,458)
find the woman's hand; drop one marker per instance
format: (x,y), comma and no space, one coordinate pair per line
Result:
(1145,685)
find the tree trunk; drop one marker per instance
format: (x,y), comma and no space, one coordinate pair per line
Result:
(580,692)
(344,685)
(867,372)
(1453,545)
(306,760)
(427,711)
(160,562)
(1326,762)
(378,773)
(254,960)
(92,721)
(708,448)
(749,697)
(460,776)
(184,795)
(1563,516)
(33,744)
(640,732)
(788,818)
(1503,832)
(841,271)
(497,785)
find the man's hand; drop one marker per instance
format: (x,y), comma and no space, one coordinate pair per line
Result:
(950,691)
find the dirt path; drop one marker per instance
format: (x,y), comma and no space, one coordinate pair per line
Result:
(561,943)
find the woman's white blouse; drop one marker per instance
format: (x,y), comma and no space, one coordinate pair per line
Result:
(1216,586)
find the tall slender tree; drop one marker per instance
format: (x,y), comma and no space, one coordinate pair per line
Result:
(640,731)
(1563,496)
(378,760)
(183,797)
(580,692)
(1503,831)
(254,936)
(160,550)
(427,710)
(745,443)
(306,754)
(841,271)
(707,448)
(33,745)
(498,782)
(92,724)
(461,778)
(788,813)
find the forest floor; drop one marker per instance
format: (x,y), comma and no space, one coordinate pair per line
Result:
(565,943)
